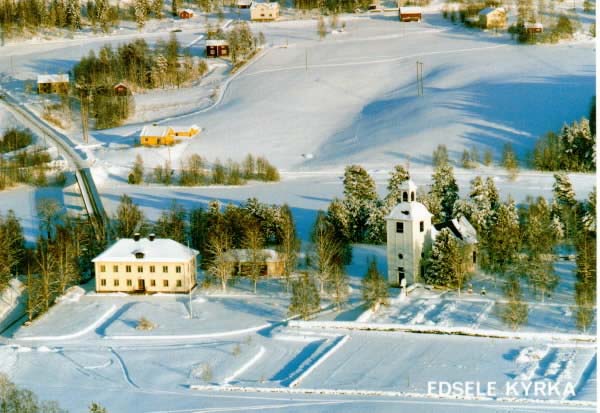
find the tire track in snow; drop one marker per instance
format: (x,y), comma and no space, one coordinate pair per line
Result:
(245,367)
(126,375)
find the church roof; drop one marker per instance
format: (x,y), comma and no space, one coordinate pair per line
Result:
(409,211)
(461,228)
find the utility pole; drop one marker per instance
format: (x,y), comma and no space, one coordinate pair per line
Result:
(420,91)
(306,58)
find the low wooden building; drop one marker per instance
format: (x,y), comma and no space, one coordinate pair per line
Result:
(264,11)
(185,131)
(186,13)
(534,27)
(53,84)
(121,89)
(492,18)
(410,14)
(217,48)
(272,263)
(243,4)
(146,265)
(157,135)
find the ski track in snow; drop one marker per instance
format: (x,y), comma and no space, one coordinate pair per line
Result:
(124,369)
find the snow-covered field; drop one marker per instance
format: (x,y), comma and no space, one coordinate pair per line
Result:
(312,107)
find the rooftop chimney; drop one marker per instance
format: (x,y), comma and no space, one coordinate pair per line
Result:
(151,237)
(136,236)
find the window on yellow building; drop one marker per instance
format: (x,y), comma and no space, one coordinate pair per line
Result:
(178,269)
(116,283)
(152,268)
(103,282)
(128,268)
(129,283)
(165,283)
(115,268)
(103,268)
(179,283)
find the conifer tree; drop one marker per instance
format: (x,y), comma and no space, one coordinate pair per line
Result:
(440,269)
(397,177)
(510,161)
(445,189)
(305,299)
(374,287)
(515,311)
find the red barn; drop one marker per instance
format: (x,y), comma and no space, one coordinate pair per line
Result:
(410,14)
(217,48)
(186,14)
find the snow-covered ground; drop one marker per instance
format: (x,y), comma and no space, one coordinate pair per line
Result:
(312,107)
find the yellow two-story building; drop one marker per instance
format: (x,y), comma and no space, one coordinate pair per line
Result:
(146,265)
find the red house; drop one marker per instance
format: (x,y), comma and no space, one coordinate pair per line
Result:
(217,48)
(410,14)
(186,14)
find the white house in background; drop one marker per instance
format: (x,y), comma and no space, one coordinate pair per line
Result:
(146,265)
(264,11)
(410,233)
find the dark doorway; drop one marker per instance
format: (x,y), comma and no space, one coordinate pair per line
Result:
(141,285)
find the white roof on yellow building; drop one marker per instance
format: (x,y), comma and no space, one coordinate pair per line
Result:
(180,129)
(489,10)
(53,78)
(158,250)
(155,130)
(273,5)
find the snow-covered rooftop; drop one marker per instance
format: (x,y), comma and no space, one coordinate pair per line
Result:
(189,11)
(489,10)
(154,130)
(159,250)
(273,5)
(243,255)
(409,210)
(461,228)
(53,78)
(534,25)
(216,42)
(411,10)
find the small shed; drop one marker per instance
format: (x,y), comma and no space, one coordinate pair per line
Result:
(217,48)
(53,84)
(186,13)
(492,18)
(272,263)
(410,14)
(264,11)
(121,89)
(155,135)
(243,4)
(375,5)
(534,27)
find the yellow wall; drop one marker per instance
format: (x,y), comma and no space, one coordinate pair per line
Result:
(154,140)
(492,20)
(107,272)
(264,13)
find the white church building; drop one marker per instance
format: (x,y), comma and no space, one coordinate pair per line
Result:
(410,232)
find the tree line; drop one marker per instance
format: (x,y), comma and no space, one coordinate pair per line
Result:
(573,149)
(21,162)
(138,65)
(196,171)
